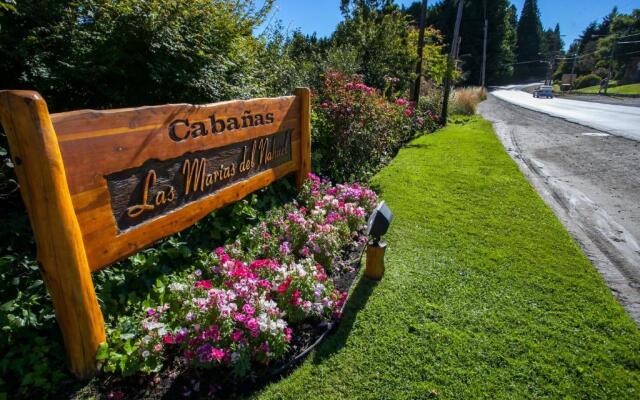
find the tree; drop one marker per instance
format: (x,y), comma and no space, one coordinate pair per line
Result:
(501,36)
(351,7)
(595,45)
(529,44)
(381,38)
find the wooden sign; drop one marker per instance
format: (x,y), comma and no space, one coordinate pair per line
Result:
(101,185)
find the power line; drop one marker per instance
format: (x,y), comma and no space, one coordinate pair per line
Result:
(626,36)
(578,56)
(529,62)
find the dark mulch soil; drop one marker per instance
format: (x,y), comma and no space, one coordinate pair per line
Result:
(179,381)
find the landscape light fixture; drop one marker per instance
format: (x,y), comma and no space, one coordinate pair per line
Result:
(377,226)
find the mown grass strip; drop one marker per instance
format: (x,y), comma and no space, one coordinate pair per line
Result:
(623,89)
(485,295)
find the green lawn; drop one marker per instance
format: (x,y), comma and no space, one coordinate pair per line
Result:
(485,295)
(623,89)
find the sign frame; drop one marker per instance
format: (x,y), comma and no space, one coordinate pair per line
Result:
(76,233)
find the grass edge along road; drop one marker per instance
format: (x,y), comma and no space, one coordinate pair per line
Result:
(485,294)
(632,89)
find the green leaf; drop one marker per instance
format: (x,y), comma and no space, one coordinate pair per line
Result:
(103,351)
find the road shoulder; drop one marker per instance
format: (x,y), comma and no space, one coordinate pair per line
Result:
(609,246)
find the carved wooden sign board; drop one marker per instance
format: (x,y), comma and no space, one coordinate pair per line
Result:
(101,185)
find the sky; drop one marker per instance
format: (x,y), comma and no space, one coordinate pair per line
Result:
(322,16)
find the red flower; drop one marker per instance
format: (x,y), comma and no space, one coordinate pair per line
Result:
(295,297)
(203,285)
(282,288)
(167,339)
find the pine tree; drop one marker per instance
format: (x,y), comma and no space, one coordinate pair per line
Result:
(529,45)
(501,36)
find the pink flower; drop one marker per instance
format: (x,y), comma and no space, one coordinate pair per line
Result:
(295,297)
(236,336)
(248,309)
(264,347)
(401,102)
(287,334)
(263,283)
(218,354)
(251,324)
(205,284)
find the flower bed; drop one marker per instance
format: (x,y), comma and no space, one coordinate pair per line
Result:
(256,303)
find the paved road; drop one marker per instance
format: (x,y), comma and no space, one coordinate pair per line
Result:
(590,179)
(594,98)
(619,120)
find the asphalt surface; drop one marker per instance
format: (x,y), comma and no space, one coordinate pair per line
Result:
(614,100)
(619,120)
(591,179)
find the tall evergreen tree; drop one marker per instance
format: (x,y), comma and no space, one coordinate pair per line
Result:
(529,44)
(501,36)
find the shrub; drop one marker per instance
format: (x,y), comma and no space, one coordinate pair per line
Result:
(587,80)
(356,130)
(239,306)
(99,53)
(465,101)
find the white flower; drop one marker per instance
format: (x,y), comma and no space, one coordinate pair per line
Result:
(177,287)
(155,325)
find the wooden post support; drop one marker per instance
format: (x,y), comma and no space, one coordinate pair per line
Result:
(304,94)
(61,252)
(375,260)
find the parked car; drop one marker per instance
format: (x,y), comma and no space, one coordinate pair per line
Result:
(543,91)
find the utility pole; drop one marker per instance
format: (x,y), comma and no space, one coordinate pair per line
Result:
(613,51)
(416,87)
(484,46)
(450,61)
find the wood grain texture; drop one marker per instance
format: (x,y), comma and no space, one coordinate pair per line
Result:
(96,144)
(304,96)
(63,262)
(160,187)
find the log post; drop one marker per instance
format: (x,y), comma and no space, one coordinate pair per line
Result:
(375,260)
(304,94)
(61,253)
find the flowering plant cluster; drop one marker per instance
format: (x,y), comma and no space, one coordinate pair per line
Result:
(326,221)
(241,305)
(357,129)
